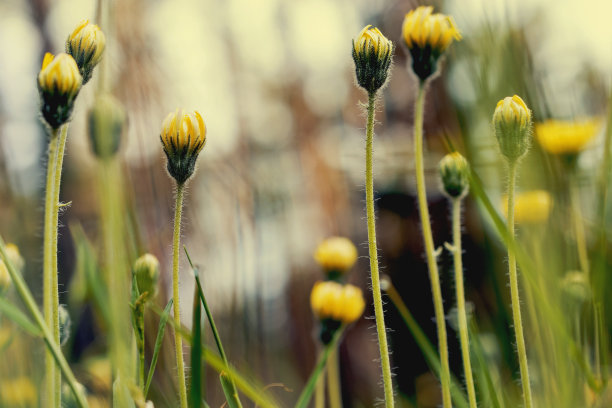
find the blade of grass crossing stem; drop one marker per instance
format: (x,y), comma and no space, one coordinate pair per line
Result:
(229,389)
(195,389)
(158,343)
(18,317)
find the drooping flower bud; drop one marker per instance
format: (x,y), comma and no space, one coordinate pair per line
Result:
(336,255)
(454,174)
(427,36)
(106,121)
(86,45)
(372,55)
(183,136)
(146,271)
(59,83)
(512,122)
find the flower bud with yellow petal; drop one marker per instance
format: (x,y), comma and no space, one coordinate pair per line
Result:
(336,255)
(372,56)
(335,304)
(530,207)
(86,45)
(512,123)
(5,278)
(107,119)
(454,174)
(183,136)
(59,83)
(146,271)
(427,36)
(562,137)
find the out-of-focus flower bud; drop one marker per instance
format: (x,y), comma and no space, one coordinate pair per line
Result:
(336,255)
(454,174)
(512,122)
(576,287)
(530,207)
(59,83)
(566,137)
(106,121)
(427,36)
(372,55)
(64,324)
(183,136)
(146,270)
(86,45)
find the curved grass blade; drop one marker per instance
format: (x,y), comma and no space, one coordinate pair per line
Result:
(158,343)
(18,317)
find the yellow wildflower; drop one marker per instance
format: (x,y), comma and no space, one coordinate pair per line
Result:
(336,254)
(372,55)
(332,300)
(566,137)
(531,207)
(86,45)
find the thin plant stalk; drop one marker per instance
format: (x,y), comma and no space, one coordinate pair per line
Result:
(434,276)
(514,293)
(319,397)
(178,341)
(376,295)
(581,244)
(460,293)
(334,389)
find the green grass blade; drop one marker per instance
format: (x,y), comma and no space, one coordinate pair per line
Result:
(158,343)
(478,352)
(195,389)
(17,316)
(229,389)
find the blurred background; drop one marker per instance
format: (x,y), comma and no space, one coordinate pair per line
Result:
(283,169)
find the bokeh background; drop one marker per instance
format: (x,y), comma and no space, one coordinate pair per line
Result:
(284,163)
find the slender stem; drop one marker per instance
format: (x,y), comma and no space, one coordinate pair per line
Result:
(319,396)
(333,380)
(178,342)
(461,314)
(141,348)
(581,245)
(378,306)
(61,146)
(514,292)
(434,276)
(47,264)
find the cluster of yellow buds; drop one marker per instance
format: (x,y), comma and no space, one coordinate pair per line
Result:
(59,83)
(335,304)
(512,123)
(86,45)
(336,255)
(566,137)
(106,122)
(454,174)
(427,36)
(372,55)
(530,207)
(183,136)
(146,273)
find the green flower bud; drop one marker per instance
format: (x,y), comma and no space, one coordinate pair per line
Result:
(512,122)
(454,173)
(64,324)
(106,121)
(146,270)
(372,55)
(576,287)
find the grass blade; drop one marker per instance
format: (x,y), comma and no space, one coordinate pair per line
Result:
(195,389)
(158,343)
(18,317)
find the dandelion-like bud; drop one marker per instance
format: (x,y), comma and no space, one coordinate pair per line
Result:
(64,324)
(427,36)
(59,83)
(372,55)
(335,304)
(183,136)
(106,121)
(146,270)
(454,173)
(512,122)
(14,256)
(86,45)
(336,255)
(530,207)
(5,278)
(566,137)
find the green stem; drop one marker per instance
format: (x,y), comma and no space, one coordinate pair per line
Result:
(333,380)
(461,314)
(178,343)
(581,244)
(141,348)
(434,276)
(48,264)
(52,345)
(320,392)
(514,292)
(376,295)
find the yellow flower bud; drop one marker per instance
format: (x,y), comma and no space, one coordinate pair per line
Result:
(332,300)
(18,392)
(59,83)
(146,271)
(566,137)
(531,207)
(183,136)
(372,55)
(427,36)
(512,122)
(86,45)
(5,278)
(14,256)
(106,121)
(336,255)
(454,174)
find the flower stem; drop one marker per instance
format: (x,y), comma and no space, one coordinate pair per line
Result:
(376,295)
(514,292)
(178,342)
(461,314)
(333,380)
(583,257)
(434,276)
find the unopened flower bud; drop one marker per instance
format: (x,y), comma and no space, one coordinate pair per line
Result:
(59,83)
(146,270)
(336,255)
(106,121)
(454,173)
(566,137)
(512,122)
(427,36)
(86,45)
(335,304)
(183,136)
(530,207)
(372,55)
(5,278)
(14,256)
(576,287)
(64,324)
